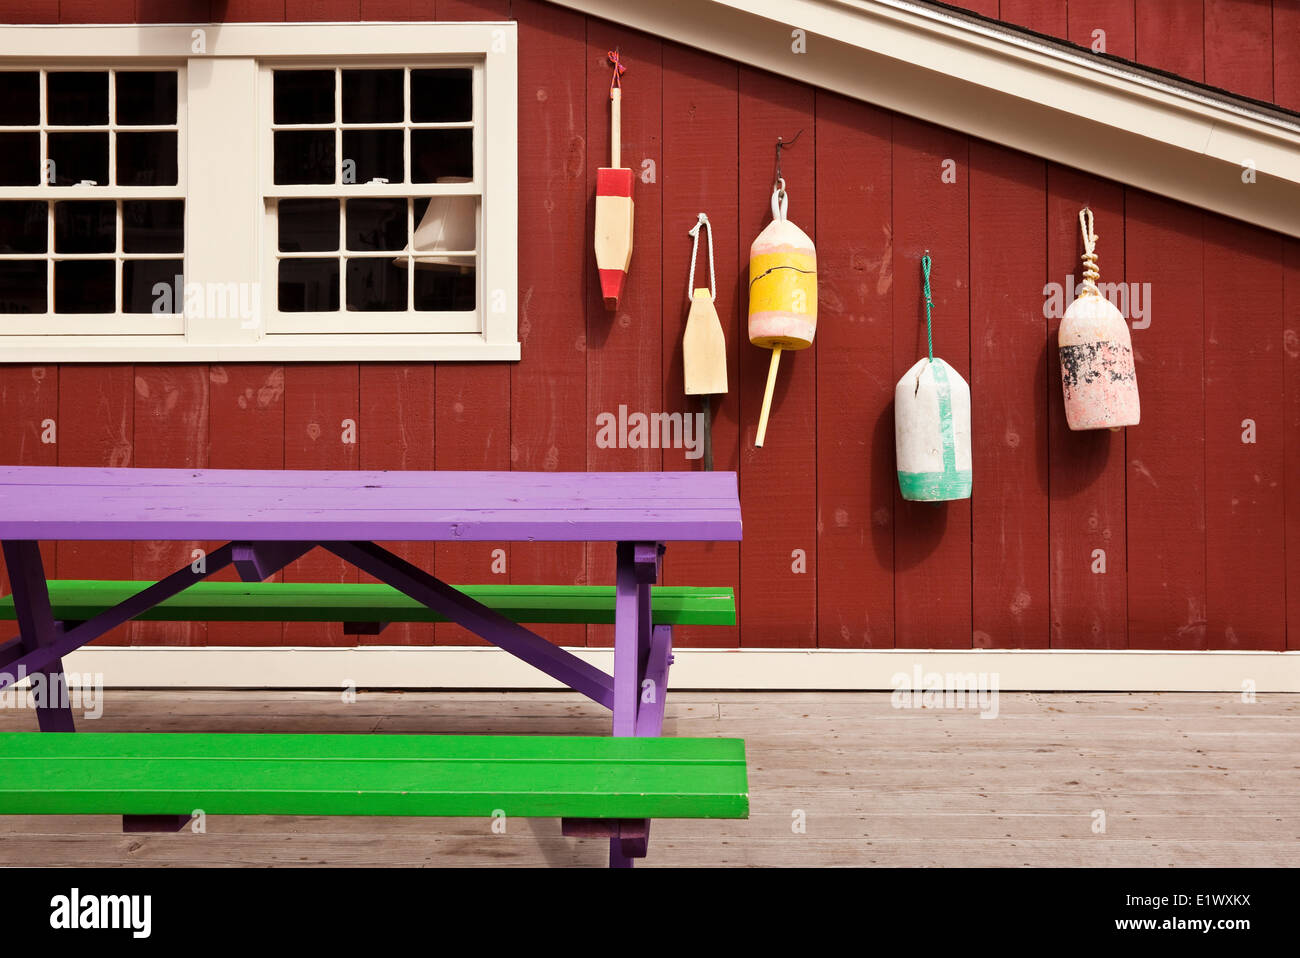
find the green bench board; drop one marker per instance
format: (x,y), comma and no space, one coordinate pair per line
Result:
(76,600)
(176,773)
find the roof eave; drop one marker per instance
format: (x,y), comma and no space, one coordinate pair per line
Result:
(1010,87)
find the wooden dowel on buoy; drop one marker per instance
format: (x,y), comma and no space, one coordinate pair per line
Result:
(616,126)
(767,395)
(706,407)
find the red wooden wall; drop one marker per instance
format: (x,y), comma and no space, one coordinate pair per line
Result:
(1200,531)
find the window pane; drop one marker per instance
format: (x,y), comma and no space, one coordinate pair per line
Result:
(85,226)
(79,156)
(309,285)
(304,96)
(153,226)
(376,285)
(84,286)
(146,97)
(305,156)
(23,226)
(20,98)
(20,159)
(377,224)
(444,224)
(437,153)
(444,288)
(372,96)
(146,159)
(441,96)
(22,286)
(377,153)
(153,286)
(76,99)
(308,226)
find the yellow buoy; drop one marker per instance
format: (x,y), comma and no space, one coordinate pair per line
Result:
(782,292)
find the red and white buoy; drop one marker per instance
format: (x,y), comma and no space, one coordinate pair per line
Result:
(614,206)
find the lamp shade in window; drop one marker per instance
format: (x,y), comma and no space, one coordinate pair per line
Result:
(448,226)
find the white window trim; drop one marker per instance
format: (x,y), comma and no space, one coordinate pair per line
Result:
(224,201)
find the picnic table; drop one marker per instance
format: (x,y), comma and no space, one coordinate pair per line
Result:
(268,519)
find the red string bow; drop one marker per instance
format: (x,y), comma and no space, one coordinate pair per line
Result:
(616,80)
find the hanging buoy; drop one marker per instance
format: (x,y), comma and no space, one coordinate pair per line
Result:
(704,348)
(614,206)
(932,425)
(1096,349)
(782,292)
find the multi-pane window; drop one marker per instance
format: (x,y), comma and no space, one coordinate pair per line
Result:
(374,193)
(92,203)
(260,192)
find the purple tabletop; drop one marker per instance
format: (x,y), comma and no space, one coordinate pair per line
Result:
(61,502)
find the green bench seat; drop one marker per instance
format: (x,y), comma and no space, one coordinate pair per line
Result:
(176,773)
(76,600)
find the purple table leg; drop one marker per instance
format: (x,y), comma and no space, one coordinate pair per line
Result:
(37,629)
(155,823)
(650,716)
(638,569)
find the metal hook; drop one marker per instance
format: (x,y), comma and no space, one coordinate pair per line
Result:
(780,144)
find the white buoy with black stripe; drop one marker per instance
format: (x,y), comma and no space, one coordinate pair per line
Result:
(932,425)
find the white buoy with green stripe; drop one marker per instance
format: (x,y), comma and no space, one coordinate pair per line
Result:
(932,425)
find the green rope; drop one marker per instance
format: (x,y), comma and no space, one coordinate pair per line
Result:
(929,304)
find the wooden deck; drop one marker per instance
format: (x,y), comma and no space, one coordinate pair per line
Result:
(1182,779)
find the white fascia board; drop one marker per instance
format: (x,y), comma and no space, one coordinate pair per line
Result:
(481,667)
(1066,105)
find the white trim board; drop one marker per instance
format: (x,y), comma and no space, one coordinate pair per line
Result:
(228,310)
(998,83)
(476,667)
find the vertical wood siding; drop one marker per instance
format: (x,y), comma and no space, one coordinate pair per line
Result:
(1200,531)
(1014,367)
(932,543)
(698,174)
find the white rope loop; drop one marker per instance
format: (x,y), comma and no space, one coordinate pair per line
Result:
(1090,271)
(713,280)
(780,200)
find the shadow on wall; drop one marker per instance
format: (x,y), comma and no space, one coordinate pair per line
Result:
(1086,452)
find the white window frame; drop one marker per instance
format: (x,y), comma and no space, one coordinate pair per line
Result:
(225,126)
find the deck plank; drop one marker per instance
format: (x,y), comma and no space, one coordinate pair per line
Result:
(1184,779)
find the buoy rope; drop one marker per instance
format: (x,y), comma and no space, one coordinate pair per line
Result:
(929,303)
(1090,272)
(713,279)
(616,81)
